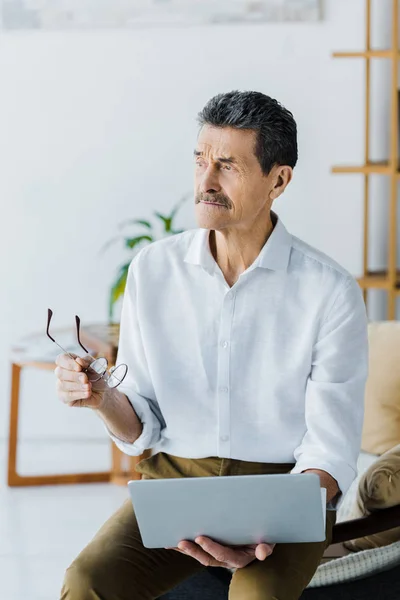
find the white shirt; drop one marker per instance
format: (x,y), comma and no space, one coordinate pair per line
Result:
(272,369)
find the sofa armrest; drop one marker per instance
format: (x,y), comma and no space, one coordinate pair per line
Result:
(381,520)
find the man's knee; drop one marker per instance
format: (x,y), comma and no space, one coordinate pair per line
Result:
(93,577)
(265,585)
(81,582)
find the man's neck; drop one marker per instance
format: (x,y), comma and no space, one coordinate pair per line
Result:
(236,249)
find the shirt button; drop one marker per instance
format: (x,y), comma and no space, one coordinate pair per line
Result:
(224,438)
(224,344)
(223,389)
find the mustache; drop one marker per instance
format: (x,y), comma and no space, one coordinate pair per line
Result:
(216,197)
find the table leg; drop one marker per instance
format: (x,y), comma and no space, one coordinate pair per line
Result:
(13,478)
(13,430)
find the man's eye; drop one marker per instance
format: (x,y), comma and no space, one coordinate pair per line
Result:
(227,167)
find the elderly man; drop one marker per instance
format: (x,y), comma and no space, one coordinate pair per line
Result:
(247,354)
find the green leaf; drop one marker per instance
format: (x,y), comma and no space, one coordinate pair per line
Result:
(136,222)
(132,242)
(166,220)
(118,288)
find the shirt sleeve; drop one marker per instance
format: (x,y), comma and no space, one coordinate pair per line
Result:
(137,385)
(335,390)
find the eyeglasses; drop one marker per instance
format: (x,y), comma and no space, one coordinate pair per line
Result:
(98,368)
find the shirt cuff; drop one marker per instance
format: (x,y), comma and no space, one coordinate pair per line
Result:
(151,427)
(342,472)
(134,449)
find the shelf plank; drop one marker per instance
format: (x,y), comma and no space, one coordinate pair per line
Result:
(378,280)
(380,168)
(15,480)
(373,281)
(366,54)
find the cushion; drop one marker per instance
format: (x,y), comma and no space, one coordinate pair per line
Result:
(379,488)
(345,510)
(382,395)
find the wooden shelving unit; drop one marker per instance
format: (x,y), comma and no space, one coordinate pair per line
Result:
(388,280)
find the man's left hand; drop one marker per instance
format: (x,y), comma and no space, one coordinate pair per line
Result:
(212,554)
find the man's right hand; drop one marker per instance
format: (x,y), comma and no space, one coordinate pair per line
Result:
(73,385)
(74,388)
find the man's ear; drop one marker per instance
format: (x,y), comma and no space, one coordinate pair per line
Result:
(281,179)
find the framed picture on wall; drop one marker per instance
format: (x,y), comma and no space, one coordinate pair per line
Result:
(86,14)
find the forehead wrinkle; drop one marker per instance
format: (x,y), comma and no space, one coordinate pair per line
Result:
(214,153)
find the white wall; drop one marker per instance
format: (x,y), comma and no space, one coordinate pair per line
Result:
(100,126)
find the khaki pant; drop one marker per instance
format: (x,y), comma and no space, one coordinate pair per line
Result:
(116,566)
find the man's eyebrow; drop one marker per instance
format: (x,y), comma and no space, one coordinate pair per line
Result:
(230,159)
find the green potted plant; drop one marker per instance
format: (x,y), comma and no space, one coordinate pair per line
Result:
(143,234)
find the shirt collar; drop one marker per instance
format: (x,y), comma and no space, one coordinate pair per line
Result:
(274,254)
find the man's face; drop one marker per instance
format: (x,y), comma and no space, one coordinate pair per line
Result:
(230,187)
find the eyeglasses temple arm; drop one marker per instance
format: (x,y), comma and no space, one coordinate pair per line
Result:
(64,350)
(78,327)
(49,316)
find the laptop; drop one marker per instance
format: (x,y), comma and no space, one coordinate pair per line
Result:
(233,510)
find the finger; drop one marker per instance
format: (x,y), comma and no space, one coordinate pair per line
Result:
(73,386)
(85,361)
(66,362)
(217,551)
(196,552)
(264,550)
(66,375)
(68,397)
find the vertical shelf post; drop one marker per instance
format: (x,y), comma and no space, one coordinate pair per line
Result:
(367,142)
(394,137)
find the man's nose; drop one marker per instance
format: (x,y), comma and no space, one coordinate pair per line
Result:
(209,182)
